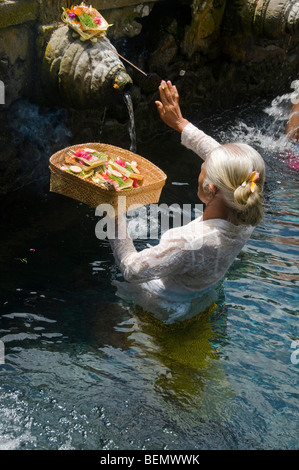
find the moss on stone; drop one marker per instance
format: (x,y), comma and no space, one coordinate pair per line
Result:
(206,22)
(14,13)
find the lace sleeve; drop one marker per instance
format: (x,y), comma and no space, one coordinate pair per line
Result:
(166,258)
(197,141)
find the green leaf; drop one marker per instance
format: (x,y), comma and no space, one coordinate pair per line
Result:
(87,20)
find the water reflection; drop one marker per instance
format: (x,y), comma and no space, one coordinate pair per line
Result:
(181,352)
(177,365)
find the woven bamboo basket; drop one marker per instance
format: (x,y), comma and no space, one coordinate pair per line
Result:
(92,194)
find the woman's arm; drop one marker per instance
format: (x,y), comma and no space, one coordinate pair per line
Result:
(166,258)
(170,113)
(197,141)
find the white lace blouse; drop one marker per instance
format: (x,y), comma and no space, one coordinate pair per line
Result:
(187,261)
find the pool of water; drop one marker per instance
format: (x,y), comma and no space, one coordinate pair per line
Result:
(84,370)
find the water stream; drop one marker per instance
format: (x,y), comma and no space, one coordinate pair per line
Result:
(84,370)
(132,131)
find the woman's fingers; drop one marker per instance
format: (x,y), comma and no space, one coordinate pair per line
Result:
(175,93)
(169,108)
(159,107)
(168,91)
(163,95)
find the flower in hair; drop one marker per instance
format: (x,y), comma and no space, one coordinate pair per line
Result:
(252,180)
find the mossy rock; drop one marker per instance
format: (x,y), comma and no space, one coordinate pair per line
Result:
(14,13)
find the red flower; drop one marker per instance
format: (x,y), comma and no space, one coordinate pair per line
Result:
(120,162)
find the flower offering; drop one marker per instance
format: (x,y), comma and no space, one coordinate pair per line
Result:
(86,21)
(101,169)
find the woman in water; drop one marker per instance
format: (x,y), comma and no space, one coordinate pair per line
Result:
(292,127)
(169,278)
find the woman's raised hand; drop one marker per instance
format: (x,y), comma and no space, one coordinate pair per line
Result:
(169,108)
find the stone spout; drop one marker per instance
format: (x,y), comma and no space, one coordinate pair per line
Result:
(273,18)
(83,75)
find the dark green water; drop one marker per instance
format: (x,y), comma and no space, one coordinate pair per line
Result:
(83,370)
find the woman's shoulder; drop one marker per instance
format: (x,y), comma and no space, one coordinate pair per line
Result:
(225,226)
(209,232)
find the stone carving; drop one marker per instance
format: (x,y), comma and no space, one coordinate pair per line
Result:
(268,18)
(82,74)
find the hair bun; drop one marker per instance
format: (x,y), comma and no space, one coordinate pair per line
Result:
(245,197)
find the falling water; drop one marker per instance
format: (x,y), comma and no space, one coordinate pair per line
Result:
(132,131)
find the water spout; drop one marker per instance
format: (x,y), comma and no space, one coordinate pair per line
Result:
(132,130)
(81,74)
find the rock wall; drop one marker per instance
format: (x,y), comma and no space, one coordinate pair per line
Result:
(218,52)
(161,36)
